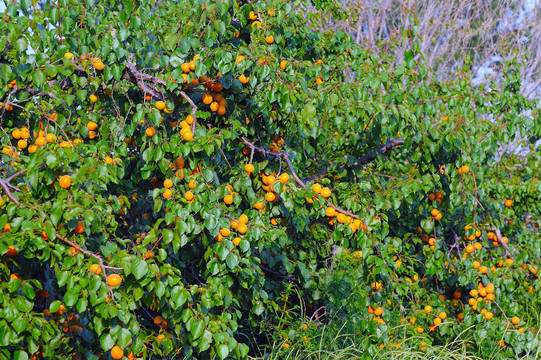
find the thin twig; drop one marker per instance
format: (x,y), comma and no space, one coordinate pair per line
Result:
(503,243)
(285,156)
(7,187)
(95,256)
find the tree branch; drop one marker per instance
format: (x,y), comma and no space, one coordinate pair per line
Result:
(95,256)
(363,160)
(391,143)
(7,187)
(293,172)
(266,270)
(276,154)
(500,240)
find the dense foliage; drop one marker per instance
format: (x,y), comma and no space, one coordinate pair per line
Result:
(207,179)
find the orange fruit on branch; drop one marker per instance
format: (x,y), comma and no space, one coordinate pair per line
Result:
(114,280)
(65,181)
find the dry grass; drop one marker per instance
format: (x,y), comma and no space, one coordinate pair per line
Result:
(477,35)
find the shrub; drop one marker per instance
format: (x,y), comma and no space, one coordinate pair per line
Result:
(134,227)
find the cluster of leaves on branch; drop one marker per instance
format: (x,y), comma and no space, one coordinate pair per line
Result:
(180,178)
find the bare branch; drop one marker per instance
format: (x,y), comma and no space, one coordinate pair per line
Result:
(391,143)
(7,187)
(363,160)
(503,243)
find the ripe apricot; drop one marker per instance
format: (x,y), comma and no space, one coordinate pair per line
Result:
(65,181)
(167,194)
(239,59)
(189,196)
(283,64)
(237,241)
(214,106)
(442,315)
(188,136)
(243,219)
(98,65)
(244,79)
(242,228)
(269,39)
(160,105)
(228,199)
(150,131)
(51,138)
(92,126)
(95,269)
(168,183)
(114,280)
(330,212)
(270,196)
(325,192)
(117,352)
(225,232)
(207,99)
(378,311)
(284,178)
(79,229)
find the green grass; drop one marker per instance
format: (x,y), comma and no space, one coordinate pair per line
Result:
(456,349)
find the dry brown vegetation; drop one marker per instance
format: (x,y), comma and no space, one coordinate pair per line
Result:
(457,35)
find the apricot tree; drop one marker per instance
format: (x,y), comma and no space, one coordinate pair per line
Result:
(172,170)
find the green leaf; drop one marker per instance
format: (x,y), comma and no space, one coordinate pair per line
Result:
(139,268)
(223,351)
(106,342)
(179,295)
(23,304)
(427,225)
(232,261)
(21,44)
(20,355)
(20,324)
(38,77)
(54,306)
(168,235)
(196,328)
(205,341)
(171,41)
